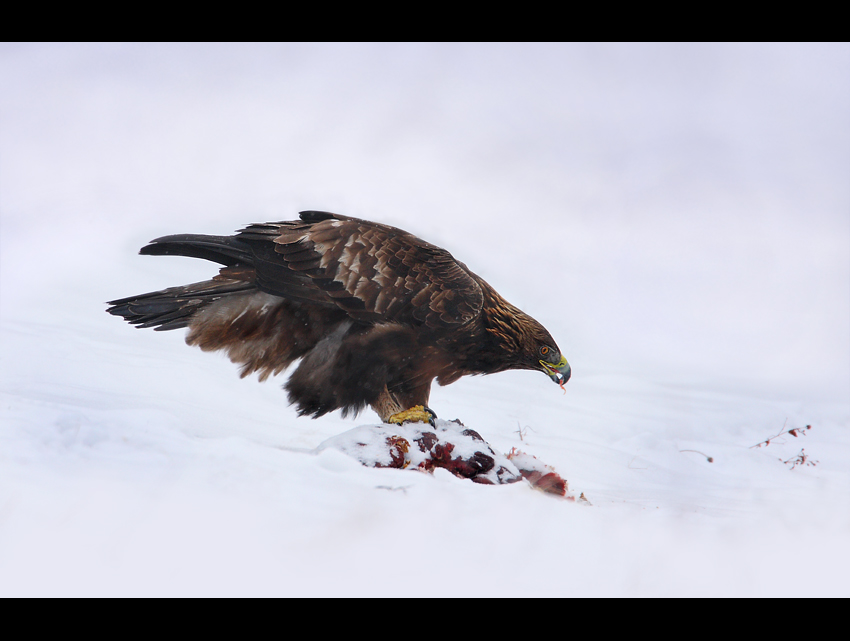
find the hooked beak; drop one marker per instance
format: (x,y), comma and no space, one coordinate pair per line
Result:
(558,372)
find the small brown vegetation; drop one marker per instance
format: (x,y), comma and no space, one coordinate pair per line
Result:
(794,431)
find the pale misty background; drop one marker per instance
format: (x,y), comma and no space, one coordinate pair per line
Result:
(678,217)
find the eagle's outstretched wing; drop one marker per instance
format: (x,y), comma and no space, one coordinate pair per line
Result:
(374,272)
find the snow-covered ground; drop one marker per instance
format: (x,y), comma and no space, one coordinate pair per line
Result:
(678,216)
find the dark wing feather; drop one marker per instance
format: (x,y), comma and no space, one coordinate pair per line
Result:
(373,272)
(175,307)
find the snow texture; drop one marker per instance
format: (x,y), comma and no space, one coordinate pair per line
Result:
(675,215)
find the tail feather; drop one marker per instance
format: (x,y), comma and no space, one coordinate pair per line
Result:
(174,307)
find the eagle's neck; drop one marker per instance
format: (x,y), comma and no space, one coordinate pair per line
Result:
(502,338)
(506,324)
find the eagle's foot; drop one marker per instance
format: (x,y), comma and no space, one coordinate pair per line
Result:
(416,414)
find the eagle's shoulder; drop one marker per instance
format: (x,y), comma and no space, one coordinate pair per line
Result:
(374,272)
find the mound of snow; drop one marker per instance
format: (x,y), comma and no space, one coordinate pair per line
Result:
(446,444)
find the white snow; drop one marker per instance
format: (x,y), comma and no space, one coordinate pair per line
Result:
(675,215)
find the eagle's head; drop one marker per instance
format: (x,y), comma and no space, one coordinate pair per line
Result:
(540,352)
(553,363)
(526,344)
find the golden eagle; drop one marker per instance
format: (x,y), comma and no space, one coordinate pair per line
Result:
(374,313)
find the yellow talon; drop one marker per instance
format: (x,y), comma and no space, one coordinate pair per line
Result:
(416,414)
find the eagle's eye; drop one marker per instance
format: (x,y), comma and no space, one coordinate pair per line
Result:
(544,350)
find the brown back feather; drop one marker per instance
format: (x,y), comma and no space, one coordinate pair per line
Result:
(374,272)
